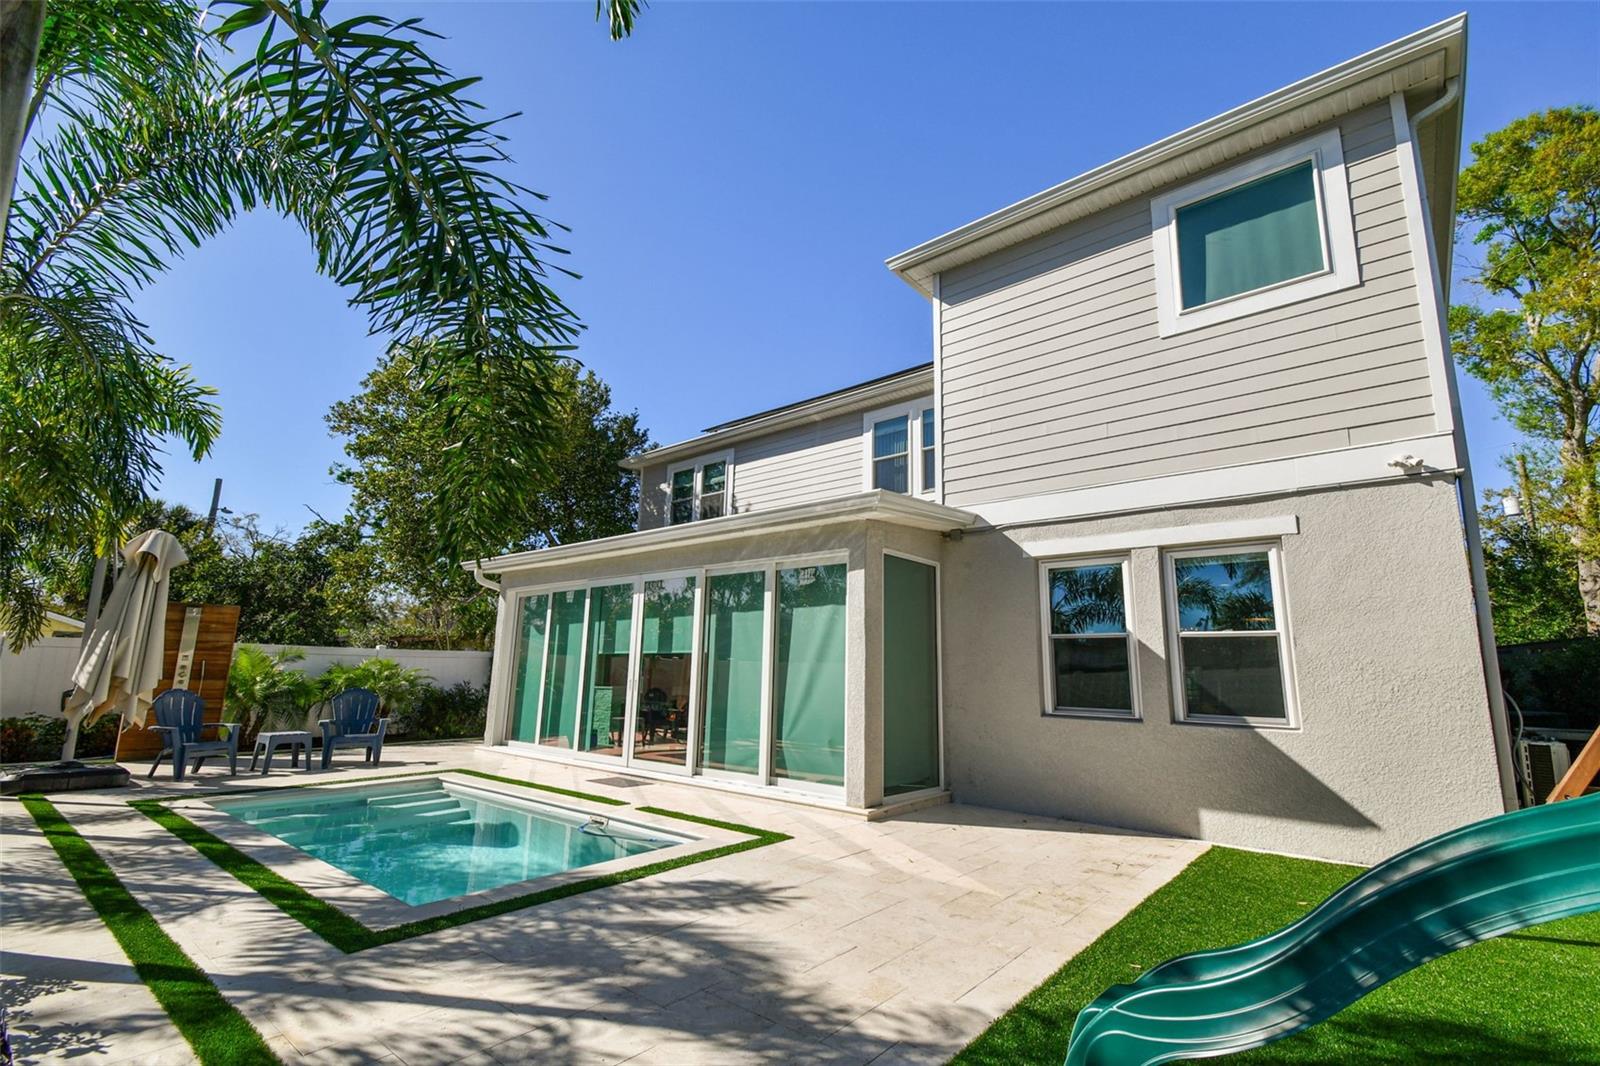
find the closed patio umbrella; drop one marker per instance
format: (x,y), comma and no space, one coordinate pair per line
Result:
(120,665)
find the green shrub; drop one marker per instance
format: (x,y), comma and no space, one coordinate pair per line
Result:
(443,714)
(38,738)
(399,689)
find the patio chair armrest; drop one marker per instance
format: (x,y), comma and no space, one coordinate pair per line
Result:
(327,726)
(383,727)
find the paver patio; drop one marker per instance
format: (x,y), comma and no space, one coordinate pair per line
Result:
(887,942)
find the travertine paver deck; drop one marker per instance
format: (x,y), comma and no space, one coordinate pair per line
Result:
(888,942)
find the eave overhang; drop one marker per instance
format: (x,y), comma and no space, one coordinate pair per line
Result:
(1420,61)
(875,506)
(876,393)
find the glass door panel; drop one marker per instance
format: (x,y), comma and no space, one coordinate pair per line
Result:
(910,676)
(666,654)
(563,669)
(528,669)
(808,697)
(730,738)
(606,691)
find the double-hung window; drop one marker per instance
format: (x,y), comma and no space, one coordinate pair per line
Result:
(698,490)
(1089,656)
(1271,231)
(1231,647)
(900,447)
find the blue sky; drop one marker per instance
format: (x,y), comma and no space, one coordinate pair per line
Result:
(736,173)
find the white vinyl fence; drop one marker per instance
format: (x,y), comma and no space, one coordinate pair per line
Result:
(31,681)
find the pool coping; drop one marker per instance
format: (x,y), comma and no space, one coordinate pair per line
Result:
(258,860)
(377,909)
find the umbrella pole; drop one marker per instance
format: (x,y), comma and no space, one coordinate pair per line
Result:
(91,614)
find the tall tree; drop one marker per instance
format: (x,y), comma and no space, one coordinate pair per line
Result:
(348,127)
(1531,198)
(397,442)
(1530,560)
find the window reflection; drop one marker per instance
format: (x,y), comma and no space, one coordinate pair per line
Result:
(661,726)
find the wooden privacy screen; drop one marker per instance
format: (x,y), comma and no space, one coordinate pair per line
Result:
(208,670)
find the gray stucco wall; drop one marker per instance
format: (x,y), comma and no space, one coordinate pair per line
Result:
(1394,743)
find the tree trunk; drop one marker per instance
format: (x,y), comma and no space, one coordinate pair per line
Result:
(1589,590)
(21,26)
(1578,459)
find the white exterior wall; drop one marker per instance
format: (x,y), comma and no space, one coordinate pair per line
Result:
(1394,742)
(816,460)
(31,681)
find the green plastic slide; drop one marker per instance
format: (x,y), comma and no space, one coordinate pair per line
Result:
(1470,884)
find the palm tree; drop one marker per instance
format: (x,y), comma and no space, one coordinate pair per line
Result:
(349,128)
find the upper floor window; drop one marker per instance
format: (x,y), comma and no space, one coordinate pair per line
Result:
(1271,231)
(901,450)
(698,490)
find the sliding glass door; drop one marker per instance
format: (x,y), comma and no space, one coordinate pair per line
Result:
(738,674)
(563,669)
(735,643)
(610,641)
(808,686)
(661,722)
(528,665)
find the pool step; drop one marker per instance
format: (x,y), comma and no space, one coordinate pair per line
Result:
(390,822)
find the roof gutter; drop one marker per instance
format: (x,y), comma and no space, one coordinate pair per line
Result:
(1452,93)
(477,575)
(1391,56)
(876,505)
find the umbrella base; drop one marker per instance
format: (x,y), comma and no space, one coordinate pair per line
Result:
(63,777)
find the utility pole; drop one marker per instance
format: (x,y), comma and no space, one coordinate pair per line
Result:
(216,500)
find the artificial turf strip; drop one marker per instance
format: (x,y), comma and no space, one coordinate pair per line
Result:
(607,800)
(1523,997)
(350,936)
(589,796)
(216,1031)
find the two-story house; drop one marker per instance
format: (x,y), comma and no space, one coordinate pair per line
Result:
(1175,532)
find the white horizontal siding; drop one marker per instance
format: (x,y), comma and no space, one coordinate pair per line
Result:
(816,461)
(1054,375)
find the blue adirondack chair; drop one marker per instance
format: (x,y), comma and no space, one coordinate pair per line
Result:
(180,719)
(355,724)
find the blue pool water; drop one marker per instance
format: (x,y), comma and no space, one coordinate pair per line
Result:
(429,839)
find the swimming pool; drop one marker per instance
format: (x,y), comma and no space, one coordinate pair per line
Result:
(430,839)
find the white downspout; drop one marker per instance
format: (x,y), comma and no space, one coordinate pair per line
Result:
(1465,486)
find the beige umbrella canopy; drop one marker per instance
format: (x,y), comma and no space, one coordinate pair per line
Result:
(122,655)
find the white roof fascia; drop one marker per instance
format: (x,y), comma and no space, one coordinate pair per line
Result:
(910,384)
(874,506)
(1426,57)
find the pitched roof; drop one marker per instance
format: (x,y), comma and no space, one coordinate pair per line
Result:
(1425,59)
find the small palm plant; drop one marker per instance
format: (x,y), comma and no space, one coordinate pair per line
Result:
(398,687)
(264,691)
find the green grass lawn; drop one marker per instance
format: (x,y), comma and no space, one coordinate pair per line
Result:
(1529,997)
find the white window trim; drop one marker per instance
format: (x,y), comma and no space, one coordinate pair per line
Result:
(1280,617)
(1342,271)
(912,412)
(1048,700)
(698,466)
